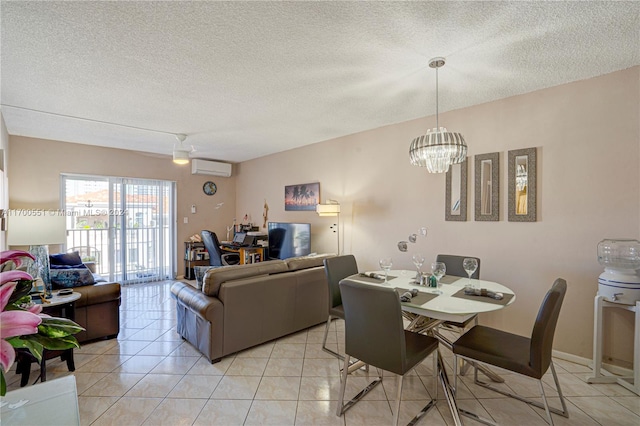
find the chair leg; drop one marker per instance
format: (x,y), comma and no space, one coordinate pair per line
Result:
(455,374)
(559,389)
(324,340)
(342,408)
(562,412)
(546,404)
(396,411)
(343,385)
(431,403)
(435,374)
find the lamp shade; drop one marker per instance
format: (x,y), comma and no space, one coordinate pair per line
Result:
(36,230)
(328,209)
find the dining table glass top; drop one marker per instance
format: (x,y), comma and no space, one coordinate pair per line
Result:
(444,306)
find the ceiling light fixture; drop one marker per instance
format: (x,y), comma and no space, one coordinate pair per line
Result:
(438,149)
(180,153)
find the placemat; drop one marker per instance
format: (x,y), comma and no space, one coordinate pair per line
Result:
(371,280)
(449,279)
(507,297)
(420,299)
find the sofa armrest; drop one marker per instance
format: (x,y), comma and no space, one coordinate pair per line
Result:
(206,306)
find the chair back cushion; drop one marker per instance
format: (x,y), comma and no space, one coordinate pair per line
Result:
(338,268)
(374,332)
(545,327)
(454,265)
(305,262)
(212,245)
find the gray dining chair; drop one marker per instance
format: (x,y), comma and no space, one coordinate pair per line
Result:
(375,334)
(336,268)
(527,356)
(454,267)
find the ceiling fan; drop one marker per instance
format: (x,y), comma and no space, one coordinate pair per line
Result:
(181,151)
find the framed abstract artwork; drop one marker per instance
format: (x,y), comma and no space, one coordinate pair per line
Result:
(303,197)
(455,203)
(522,185)
(487,187)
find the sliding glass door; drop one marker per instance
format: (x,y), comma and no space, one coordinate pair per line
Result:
(126,226)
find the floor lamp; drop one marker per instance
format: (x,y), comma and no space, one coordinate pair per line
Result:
(37,232)
(331,208)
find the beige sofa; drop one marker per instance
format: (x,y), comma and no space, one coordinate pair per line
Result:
(246,305)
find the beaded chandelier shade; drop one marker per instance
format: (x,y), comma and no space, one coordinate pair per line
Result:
(438,148)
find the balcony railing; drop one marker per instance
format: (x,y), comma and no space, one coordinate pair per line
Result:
(145,260)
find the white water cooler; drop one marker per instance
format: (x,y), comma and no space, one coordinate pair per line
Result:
(618,287)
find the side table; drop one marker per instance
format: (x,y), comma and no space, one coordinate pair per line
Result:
(57,306)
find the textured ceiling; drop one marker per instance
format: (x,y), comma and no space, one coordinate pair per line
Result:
(247,79)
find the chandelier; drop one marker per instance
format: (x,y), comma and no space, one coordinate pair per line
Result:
(438,148)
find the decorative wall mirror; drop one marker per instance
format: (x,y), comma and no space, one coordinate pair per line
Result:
(522,185)
(455,203)
(487,187)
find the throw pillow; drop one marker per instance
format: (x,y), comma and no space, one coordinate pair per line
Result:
(200,272)
(80,266)
(69,278)
(65,259)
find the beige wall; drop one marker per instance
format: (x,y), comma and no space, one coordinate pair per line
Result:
(588,139)
(36,166)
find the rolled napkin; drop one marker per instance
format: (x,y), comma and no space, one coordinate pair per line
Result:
(483,292)
(407,295)
(372,275)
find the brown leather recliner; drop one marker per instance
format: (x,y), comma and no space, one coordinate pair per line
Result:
(98,311)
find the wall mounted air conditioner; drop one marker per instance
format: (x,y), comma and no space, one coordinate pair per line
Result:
(207,167)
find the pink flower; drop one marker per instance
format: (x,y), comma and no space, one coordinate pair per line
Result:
(13,323)
(15,256)
(14,275)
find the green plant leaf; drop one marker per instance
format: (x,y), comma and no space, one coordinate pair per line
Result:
(33,346)
(58,327)
(23,287)
(3,384)
(53,344)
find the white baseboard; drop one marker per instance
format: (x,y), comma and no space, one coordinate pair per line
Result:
(588,362)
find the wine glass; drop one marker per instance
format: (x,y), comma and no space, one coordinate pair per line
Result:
(385,264)
(470,265)
(418,260)
(438,269)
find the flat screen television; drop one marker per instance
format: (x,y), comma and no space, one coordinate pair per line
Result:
(288,239)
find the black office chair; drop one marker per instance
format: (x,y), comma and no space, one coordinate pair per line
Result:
(375,334)
(526,356)
(217,256)
(336,269)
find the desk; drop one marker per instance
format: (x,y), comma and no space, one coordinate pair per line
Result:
(50,403)
(428,316)
(248,254)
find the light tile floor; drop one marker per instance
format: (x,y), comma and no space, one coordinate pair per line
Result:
(150,376)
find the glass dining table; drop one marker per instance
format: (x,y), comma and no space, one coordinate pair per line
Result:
(432,307)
